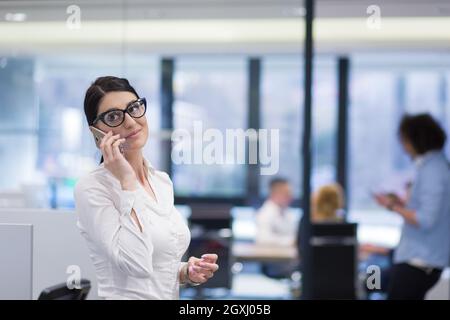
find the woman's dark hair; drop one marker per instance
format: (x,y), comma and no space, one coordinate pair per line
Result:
(423,132)
(98,89)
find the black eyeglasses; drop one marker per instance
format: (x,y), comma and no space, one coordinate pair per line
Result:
(115,117)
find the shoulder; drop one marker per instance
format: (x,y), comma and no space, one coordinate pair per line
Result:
(269,205)
(163,178)
(266,210)
(434,175)
(96,180)
(436,168)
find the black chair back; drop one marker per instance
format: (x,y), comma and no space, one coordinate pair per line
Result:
(333,260)
(210,226)
(62,292)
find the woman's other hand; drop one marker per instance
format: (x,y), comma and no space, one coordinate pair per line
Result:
(200,270)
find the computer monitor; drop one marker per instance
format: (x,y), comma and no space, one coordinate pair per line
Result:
(210,216)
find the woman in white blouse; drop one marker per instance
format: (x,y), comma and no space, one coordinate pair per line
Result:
(125,207)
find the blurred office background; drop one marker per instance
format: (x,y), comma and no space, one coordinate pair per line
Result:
(210,56)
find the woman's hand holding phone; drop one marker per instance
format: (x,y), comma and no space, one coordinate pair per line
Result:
(388,200)
(116,163)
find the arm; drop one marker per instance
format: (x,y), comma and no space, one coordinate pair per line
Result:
(408,215)
(431,192)
(391,204)
(131,186)
(117,232)
(182,273)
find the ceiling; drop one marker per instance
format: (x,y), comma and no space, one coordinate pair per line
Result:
(223,26)
(216,9)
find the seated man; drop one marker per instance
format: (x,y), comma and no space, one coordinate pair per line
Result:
(277,227)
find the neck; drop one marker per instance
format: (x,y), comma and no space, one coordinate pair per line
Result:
(274,200)
(136,160)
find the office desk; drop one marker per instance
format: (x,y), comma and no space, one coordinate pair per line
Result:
(243,251)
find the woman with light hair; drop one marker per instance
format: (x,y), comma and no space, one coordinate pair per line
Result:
(327,203)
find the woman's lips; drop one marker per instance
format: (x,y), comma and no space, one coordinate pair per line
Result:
(133,135)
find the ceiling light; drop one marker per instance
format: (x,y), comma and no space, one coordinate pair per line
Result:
(15,17)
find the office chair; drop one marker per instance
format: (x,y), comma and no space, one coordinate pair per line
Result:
(62,292)
(211,232)
(333,260)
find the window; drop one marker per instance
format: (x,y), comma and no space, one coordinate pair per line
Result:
(423,92)
(282,108)
(18,125)
(382,89)
(373,118)
(324,122)
(209,93)
(47,128)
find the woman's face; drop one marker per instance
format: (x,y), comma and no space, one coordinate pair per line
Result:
(119,100)
(408,147)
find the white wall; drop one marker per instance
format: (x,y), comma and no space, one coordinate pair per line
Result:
(16,265)
(57,244)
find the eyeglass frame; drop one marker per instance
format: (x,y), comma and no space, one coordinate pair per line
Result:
(101,116)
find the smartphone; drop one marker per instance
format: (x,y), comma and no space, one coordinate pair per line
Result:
(393,197)
(98,135)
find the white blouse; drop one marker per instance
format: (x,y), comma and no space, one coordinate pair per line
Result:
(131,264)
